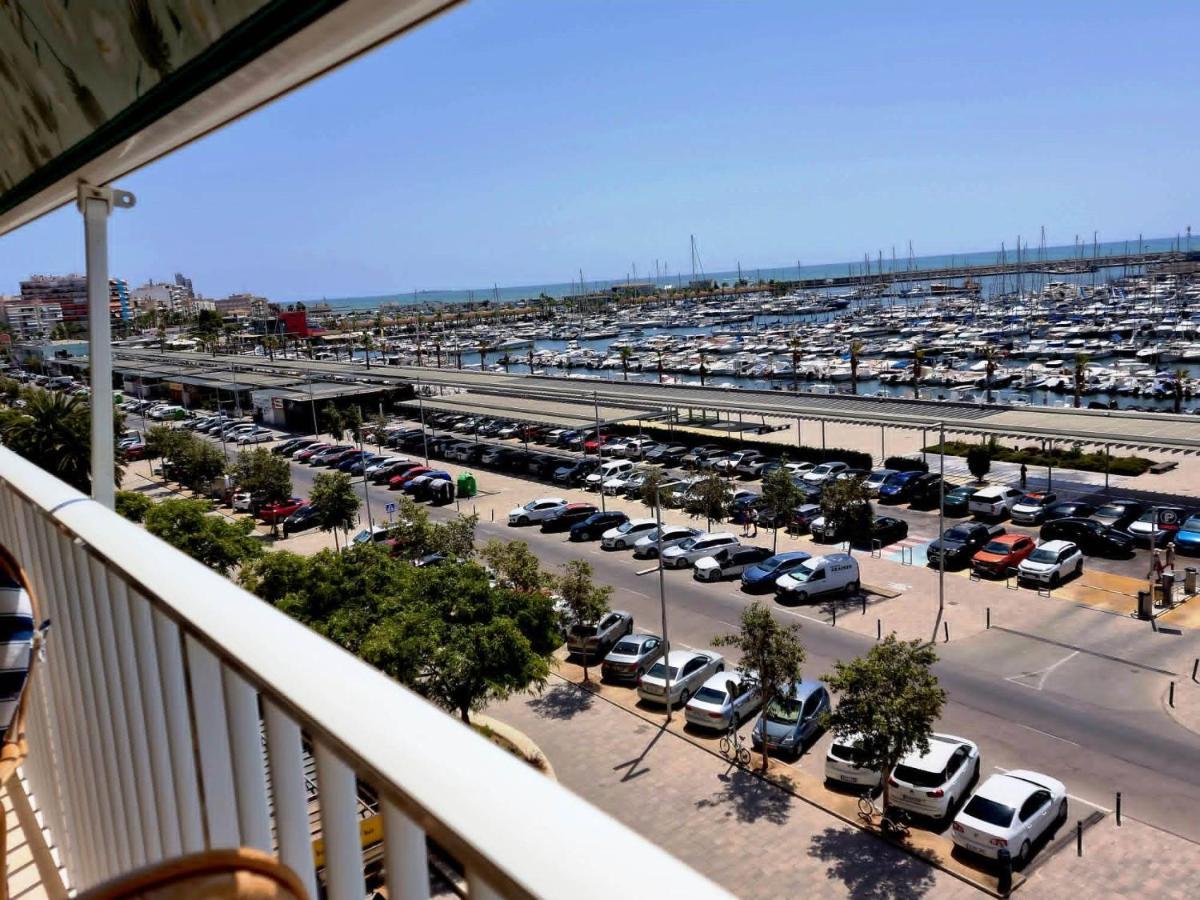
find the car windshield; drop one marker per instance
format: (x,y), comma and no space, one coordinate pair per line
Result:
(989,811)
(1192,524)
(998,547)
(1043,556)
(896,478)
(688,544)
(785,712)
(918,777)
(801,573)
(362,537)
(1032,500)
(1110,512)
(848,753)
(658,670)
(624,527)
(770,565)
(960,533)
(710,695)
(821,469)
(627,648)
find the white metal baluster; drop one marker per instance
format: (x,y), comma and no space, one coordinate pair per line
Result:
(95,692)
(405,856)
(139,627)
(339,826)
(86,817)
(179,731)
(289,793)
(136,719)
(249,766)
(212,741)
(478,889)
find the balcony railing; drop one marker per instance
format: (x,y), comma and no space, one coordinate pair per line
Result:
(161,678)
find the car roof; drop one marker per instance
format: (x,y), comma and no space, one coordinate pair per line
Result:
(791,554)
(715,534)
(680,657)
(1015,787)
(1055,545)
(577,506)
(941,748)
(1010,538)
(640,638)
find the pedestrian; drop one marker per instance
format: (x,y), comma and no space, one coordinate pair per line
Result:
(1156,565)
(745,517)
(1024,476)
(754,521)
(1169,560)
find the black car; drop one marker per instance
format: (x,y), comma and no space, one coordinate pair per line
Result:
(925,491)
(542,465)
(1119,513)
(303,518)
(956,501)
(573,472)
(1068,509)
(293,444)
(572,514)
(1092,537)
(959,543)
(384,475)
(666,455)
(596,524)
(886,530)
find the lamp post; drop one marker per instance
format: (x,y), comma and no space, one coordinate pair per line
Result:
(596,408)
(662,600)
(424,434)
(942,519)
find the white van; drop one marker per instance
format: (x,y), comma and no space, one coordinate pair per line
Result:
(832,574)
(994,502)
(607,471)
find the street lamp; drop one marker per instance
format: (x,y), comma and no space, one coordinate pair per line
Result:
(662,598)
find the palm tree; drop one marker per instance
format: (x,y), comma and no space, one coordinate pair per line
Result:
(856,348)
(795,345)
(660,366)
(530,356)
(626,352)
(703,368)
(918,370)
(54,432)
(1080,375)
(991,355)
(483,348)
(368,346)
(1177,389)
(437,348)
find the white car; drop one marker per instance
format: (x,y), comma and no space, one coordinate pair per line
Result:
(241,501)
(799,468)
(843,763)
(1050,563)
(627,534)
(1010,812)
(257,436)
(606,472)
(824,472)
(384,461)
(618,483)
(993,502)
(829,574)
(725,699)
(1031,508)
(876,479)
(687,552)
(646,547)
(536,511)
(931,784)
(688,670)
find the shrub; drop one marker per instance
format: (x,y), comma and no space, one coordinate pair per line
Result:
(905,464)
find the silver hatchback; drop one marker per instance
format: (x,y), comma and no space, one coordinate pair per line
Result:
(632,656)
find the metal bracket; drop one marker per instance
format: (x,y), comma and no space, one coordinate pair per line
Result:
(108,195)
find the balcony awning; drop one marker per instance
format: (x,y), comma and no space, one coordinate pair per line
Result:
(90,92)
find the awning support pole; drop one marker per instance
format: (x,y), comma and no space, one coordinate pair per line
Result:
(95,203)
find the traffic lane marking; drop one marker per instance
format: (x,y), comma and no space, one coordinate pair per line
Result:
(1044,673)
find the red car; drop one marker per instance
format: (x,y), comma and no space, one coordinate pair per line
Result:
(1002,553)
(311,450)
(135,451)
(398,481)
(592,444)
(273,513)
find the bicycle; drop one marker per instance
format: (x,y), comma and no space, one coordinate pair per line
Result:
(891,822)
(734,748)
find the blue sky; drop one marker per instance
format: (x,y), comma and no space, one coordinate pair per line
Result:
(517,141)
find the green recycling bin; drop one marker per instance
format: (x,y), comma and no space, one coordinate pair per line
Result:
(466,485)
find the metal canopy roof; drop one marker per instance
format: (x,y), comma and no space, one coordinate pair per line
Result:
(538,412)
(96,90)
(1152,431)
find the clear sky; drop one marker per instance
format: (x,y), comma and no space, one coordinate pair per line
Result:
(517,141)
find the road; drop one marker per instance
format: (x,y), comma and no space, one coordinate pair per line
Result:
(1094,722)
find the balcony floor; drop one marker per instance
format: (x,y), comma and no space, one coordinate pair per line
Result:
(24,880)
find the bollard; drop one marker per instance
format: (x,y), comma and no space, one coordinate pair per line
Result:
(1004,879)
(1118,809)
(1171,696)
(989,617)
(835,615)
(879,629)
(864,602)
(1195,668)
(493,514)
(946,630)
(1079,838)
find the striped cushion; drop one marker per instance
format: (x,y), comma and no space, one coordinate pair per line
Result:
(16,642)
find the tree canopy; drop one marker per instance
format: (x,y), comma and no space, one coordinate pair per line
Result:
(335,502)
(262,472)
(213,540)
(53,431)
(979,462)
(846,506)
(585,602)
(709,498)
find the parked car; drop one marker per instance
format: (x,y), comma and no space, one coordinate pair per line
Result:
(958,500)
(725,700)
(1010,811)
(273,513)
(753,466)
(1187,538)
(1157,525)
(994,502)
(876,479)
(845,763)
(573,472)
(958,544)
(685,553)
(646,547)
(885,530)
(535,510)
(1031,509)
(789,723)
(625,535)
(695,457)
(421,486)
(596,524)
(824,472)
(377,534)
(303,518)
(256,436)
(568,516)
(1119,513)
(728,465)
(803,516)
(285,447)
(763,575)
(1068,509)
(687,670)
(378,463)
(385,473)
(631,657)
(897,488)
(1050,563)
(611,469)
(597,640)
(1002,554)
(931,784)
(666,455)
(926,491)
(399,480)
(835,573)
(325,456)
(1095,539)
(728,562)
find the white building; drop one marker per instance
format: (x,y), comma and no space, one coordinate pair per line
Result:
(30,319)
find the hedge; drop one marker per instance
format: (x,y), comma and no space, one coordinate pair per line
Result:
(906,464)
(1070,458)
(855,459)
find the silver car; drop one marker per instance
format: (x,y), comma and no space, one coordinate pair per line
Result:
(724,700)
(646,547)
(594,640)
(688,670)
(627,534)
(631,657)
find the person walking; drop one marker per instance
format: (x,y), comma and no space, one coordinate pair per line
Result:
(754,520)
(1169,556)
(1024,476)
(1156,565)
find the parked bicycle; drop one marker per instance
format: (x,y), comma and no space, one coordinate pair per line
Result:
(734,748)
(892,822)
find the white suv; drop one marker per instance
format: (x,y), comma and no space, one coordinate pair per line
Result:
(824,472)
(931,784)
(1050,563)
(705,544)
(536,511)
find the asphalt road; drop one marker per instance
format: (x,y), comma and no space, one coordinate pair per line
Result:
(1094,722)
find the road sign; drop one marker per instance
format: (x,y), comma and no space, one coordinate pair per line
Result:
(390,508)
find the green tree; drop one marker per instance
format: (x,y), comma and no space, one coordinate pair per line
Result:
(625,353)
(262,472)
(772,656)
(164,442)
(333,422)
(709,498)
(1079,376)
(515,565)
(586,602)
(846,506)
(132,505)
(856,348)
(890,698)
(1177,389)
(210,539)
(991,356)
(780,495)
(379,424)
(335,502)
(53,431)
(918,371)
(353,419)
(979,462)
